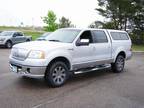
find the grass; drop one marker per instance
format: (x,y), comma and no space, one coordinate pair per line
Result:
(33,34)
(138,47)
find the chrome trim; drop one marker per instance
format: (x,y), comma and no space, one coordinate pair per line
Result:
(31,75)
(91,64)
(94,69)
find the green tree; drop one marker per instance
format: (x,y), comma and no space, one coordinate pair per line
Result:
(118,11)
(50,21)
(124,14)
(138,17)
(64,22)
(109,25)
(96,24)
(138,22)
(101,25)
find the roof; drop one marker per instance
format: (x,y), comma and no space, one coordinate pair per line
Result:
(10,31)
(94,29)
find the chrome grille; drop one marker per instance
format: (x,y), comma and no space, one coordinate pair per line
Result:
(19,53)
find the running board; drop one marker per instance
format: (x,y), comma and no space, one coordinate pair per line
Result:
(99,67)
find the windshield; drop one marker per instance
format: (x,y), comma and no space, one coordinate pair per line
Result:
(6,33)
(45,34)
(63,35)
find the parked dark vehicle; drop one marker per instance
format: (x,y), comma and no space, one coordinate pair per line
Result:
(9,38)
(43,36)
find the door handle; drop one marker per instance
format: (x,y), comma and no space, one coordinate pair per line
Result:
(71,49)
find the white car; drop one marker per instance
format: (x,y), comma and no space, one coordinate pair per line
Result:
(70,50)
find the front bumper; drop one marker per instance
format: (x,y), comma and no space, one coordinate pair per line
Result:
(33,69)
(28,71)
(2,43)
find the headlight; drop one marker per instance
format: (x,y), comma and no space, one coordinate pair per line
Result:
(2,39)
(36,54)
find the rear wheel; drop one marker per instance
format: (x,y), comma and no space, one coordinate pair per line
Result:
(27,40)
(8,44)
(118,66)
(57,74)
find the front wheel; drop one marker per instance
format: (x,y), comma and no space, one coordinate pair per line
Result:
(118,66)
(27,40)
(8,44)
(57,74)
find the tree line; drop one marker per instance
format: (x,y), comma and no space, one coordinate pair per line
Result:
(50,21)
(125,15)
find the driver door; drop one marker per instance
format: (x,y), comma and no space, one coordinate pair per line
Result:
(18,37)
(83,54)
(15,38)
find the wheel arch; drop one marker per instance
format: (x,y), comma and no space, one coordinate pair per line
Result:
(123,53)
(8,41)
(59,58)
(27,40)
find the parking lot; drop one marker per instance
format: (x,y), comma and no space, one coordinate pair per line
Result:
(97,89)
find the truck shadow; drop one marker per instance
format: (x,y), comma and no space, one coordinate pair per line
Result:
(91,76)
(73,80)
(3,47)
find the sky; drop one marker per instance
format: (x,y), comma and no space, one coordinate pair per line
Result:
(80,12)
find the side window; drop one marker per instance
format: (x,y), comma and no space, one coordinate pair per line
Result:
(86,35)
(20,34)
(15,34)
(119,36)
(124,36)
(115,36)
(100,36)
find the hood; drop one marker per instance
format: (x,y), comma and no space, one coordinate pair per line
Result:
(41,45)
(41,38)
(6,37)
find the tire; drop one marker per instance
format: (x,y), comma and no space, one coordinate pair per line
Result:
(27,40)
(57,74)
(8,44)
(118,66)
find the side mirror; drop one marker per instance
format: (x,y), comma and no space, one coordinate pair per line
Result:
(83,42)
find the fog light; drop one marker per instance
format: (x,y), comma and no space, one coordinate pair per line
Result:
(19,69)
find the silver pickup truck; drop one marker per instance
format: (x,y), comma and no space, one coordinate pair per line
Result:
(9,38)
(70,50)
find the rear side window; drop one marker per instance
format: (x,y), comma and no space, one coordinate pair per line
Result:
(124,36)
(119,36)
(99,36)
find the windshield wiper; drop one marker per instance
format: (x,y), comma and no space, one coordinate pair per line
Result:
(55,40)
